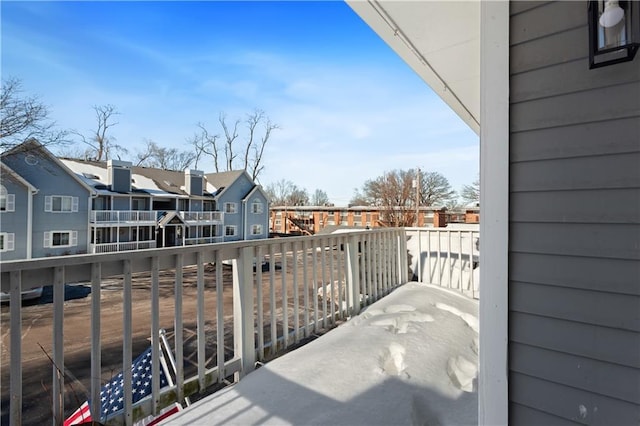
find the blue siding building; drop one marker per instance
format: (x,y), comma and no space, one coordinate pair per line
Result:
(51,206)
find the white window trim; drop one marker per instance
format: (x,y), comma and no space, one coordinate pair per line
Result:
(235,230)
(9,241)
(257,207)
(10,202)
(259,227)
(48,203)
(48,239)
(231,208)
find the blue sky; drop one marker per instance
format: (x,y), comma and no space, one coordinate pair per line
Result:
(349,109)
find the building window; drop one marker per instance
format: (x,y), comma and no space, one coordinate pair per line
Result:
(7,241)
(230,207)
(7,201)
(230,230)
(256,207)
(60,204)
(60,239)
(256,229)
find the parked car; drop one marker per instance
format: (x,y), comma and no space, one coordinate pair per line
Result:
(31,294)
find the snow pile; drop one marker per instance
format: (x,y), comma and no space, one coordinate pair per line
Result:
(410,358)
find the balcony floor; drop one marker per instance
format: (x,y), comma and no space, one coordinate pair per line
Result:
(410,358)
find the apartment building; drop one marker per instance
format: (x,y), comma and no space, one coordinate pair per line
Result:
(53,206)
(309,220)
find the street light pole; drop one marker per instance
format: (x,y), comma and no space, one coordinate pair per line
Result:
(417,197)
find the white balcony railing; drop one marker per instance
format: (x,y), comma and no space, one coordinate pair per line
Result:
(122,246)
(124,216)
(201,217)
(305,286)
(203,240)
(448,257)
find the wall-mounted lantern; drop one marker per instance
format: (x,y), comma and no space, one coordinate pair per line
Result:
(614,31)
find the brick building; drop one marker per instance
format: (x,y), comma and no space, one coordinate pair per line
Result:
(309,220)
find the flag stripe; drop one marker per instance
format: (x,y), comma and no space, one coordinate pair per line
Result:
(164,413)
(81,415)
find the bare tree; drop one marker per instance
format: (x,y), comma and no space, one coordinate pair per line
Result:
(101,145)
(471,193)
(164,158)
(435,190)
(205,143)
(244,153)
(286,193)
(319,198)
(22,118)
(254,150)
(395,191)
(359,199)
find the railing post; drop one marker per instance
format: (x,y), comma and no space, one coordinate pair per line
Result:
(403,259)
(15,378)
(96,352)
(353,272)
(58,345)
(243,311)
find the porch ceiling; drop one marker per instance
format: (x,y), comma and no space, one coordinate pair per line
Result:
(439,40)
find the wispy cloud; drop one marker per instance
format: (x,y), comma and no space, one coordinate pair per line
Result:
(343,119)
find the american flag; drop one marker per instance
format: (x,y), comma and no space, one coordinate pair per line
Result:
(112,394)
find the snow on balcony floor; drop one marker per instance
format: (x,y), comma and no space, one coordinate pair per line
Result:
(410,358)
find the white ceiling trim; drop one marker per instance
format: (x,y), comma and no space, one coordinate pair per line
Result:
(439,40)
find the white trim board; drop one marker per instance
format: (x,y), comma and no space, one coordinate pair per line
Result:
(493,398)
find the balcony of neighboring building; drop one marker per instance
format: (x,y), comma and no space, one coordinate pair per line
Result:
(202,217)
(123,217)
(122,246)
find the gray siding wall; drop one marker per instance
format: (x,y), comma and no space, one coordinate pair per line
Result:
(234,194)
(257,218)
(196,205)
(15,222)
(51,179)
(122,203)
(574,265)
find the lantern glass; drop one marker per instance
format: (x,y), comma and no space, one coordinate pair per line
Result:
(613,32)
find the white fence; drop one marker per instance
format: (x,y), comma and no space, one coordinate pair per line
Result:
(275,305)
(448,257)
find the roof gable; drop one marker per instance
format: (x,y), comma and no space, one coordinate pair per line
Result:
(6,170)
(223,180)
(34,147)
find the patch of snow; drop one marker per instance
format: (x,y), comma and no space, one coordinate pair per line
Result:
(462,372)
(393,309)
(472,321)
(361,373)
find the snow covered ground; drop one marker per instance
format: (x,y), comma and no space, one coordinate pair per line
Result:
(410,358)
